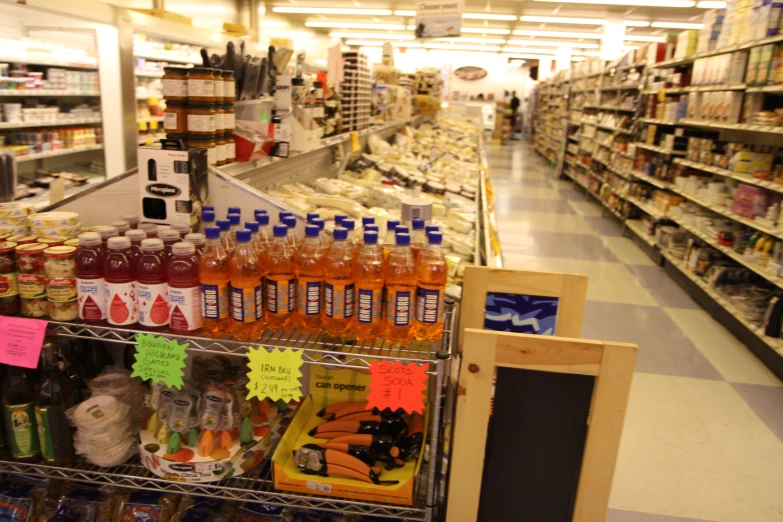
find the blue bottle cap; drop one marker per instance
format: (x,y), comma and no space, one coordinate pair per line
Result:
(392,224)
(338,219)
(212,232)
(403,239)
(263,219)
(431,228)
(280,230)
(243,235)
(311,216)
(312,230)
(401,230)
(373,228)
(283,215)
(208,207)
(320,222)
(259,213)
(223,224)
(368,220)
(235,210)
(208,216)
(418,224)
(370,237)
(234,219)
(340,234)
(350,224)
(435,238)
(289,221)
(252,226)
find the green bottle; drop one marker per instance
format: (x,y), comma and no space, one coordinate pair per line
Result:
(54,432)
(19,415)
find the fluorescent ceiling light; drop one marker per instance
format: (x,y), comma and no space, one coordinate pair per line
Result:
(677,25)
(640,3)
(636,23)
(332,11)
(484,30)
(557,34)
(643,38)
(404,13)
(354,25)
(370,43)
(547,43)
(518,50)
(578,21)
(472,40)
(447,47)
(710,4)
(372,36)
(487,16)
(528,56)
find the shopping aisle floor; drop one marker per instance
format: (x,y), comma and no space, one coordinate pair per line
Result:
(703,438)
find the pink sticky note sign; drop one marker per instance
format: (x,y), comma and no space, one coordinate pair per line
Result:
(21,340)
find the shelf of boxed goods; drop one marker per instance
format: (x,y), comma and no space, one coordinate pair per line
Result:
(696,88)
(725,50)
(58,123)
(58,152)
(29,93)
(659,150)
(744,178)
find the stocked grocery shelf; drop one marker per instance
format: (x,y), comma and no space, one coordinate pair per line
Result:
(146,74)
(649,179)
(24,57)
(744,178)
(725,50)
(45,93)
(637,227)
(168,57)
(59,152)
(254,486)
(63,123)
(659,150)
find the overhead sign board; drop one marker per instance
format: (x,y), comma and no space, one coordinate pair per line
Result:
(439,18)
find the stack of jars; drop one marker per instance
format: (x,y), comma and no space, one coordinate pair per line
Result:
(200,110)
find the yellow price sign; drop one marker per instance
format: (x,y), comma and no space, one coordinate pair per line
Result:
(274,374)
(355,146)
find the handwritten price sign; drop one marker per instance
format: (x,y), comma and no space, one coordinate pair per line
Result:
(21,341)
(274,374)
(396,385)
(158,359)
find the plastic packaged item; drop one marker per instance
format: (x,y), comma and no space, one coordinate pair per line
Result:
(214,277)
(184,290)
(118,383)
(152,289)
(54,219)
(309,264)
(246,293)
(431,277)
(339,286)
(280,280)
(400,291)
(103,430)
(369,271)
(120,280)
(90,283)
(9,290)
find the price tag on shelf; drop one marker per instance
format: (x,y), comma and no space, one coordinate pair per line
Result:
(274,374)
(159,359)
(395,385)
(21,341)
(355,145)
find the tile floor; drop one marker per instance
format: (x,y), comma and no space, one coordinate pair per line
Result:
(703,438)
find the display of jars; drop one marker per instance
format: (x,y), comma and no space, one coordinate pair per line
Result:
(9,289)
(231,148)
(201,84)
(229,117)
(229,86)
(220,118)
(205,142)
(31,279)
(175,84)
(60,272)
(201,119)
(175,117)
(220,149)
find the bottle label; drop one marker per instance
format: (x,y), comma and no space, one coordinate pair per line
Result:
(31,286)
(219,89)
(231,149)
(91,295)
(338,301)
(8,285)
(185,308)
(121,307)
(176,88)
(170,120)
(247,304)
(12,508)
(280,295)
(220,120)
(153,304)
(220,153)
(61,289)
(201,123)
(398,310)
(229,120)
(309,297)
(214,301)
(201,88)
(23,435)
(368,309)
(44,433)
(211,155)
(429,305)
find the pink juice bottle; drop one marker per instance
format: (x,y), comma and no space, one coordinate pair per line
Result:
(169,237)
(136,237)
(120,277)
(151,229)
(152,289)
(90,284)
(184,290)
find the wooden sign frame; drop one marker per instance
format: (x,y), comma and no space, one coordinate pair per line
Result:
(612,365)
(570,289)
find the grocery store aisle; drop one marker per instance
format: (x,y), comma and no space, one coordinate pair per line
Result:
(703,438)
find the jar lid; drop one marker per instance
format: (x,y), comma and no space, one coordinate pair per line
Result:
(201,105)
(6,246)
(229,135)
(228,105)
(56,240)
(176,136)
(23,239)
(183,70)
(172,103)
(72,242)
(31,248)
(203,70)
(60,252)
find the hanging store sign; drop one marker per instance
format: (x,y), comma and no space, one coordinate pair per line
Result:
(470,73)
(439,18)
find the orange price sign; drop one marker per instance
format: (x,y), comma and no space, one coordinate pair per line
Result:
(395,385)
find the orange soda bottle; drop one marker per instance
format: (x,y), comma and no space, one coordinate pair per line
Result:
(309,263)
(390,241)
(323,237)
(229,245)
(234,220)
(246,290)
(213,272)
(431,275)
(280,281)
(293,240)
(253,226)
(370,275)
(418,238)
(264,237)
(339,286)
(400,288)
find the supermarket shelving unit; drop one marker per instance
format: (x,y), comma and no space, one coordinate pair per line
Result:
(550,121)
